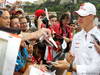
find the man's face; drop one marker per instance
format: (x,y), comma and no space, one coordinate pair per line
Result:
(85,20)
(5,19)
(23,24)
(15,23)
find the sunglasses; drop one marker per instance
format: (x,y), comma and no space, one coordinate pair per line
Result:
(1,12)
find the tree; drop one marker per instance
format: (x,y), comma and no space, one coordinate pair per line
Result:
(57,7)
(28,3)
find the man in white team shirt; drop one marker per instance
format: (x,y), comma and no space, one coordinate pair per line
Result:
(87,59)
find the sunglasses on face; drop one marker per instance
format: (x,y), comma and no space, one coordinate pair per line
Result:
(1,12)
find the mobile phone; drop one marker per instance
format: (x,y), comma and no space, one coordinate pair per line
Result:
(95,38)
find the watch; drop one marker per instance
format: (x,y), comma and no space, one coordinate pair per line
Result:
(70,67)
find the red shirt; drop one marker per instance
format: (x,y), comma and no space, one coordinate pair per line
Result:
(56,28)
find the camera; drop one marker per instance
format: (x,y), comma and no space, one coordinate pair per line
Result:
(46,22)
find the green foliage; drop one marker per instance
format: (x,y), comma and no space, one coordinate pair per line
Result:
(59,8)
(28,3)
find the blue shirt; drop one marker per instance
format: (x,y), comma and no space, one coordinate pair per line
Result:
(21,59)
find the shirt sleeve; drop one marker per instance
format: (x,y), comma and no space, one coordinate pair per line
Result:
(73,45)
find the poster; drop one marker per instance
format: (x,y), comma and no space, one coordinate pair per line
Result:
(9,46)
(35,71)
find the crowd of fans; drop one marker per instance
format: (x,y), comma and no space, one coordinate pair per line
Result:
(35,49)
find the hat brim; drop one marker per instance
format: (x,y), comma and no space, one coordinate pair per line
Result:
(82,13)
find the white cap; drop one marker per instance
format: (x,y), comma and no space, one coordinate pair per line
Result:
(86,9)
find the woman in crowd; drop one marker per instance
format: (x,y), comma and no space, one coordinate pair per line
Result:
(67,31)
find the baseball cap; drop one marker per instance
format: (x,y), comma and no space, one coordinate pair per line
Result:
(86,9)
(39,12)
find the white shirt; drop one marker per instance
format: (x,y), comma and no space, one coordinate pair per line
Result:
(87,59)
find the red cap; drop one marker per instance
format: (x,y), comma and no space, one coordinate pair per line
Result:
(39,12)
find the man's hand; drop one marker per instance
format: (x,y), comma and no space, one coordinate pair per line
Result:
(97,47)
(62,64)
(23,44)
(39,22)
(36,35)
(45,31)
(70,57)
(41,66)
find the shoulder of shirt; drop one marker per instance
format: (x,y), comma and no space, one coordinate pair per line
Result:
(98,31)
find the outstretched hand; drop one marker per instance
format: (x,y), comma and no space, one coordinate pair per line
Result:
(61,64)
(70,57)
